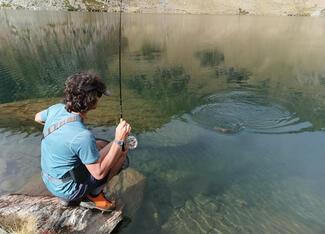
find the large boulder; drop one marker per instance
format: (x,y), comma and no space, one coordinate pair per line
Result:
(44,214)
(35,210)
(128,188)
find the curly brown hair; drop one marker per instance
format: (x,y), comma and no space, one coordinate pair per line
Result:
(82,90)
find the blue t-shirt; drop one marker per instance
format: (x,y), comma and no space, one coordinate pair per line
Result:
(64,149)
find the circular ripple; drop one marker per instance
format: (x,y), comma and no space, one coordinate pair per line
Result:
(232,112)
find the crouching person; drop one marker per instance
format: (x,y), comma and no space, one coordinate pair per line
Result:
(74,168)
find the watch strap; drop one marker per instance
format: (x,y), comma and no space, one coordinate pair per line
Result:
(120,143)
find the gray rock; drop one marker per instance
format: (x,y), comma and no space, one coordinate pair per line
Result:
(34,202)
(50,215)
(128,187)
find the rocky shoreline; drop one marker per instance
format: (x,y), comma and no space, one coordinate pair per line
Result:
(231,7)
(34,210)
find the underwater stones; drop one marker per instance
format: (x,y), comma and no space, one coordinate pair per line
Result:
(177,200)
(191,218)
(241,203)
(128,187)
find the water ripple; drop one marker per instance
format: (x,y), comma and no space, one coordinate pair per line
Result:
(238,110)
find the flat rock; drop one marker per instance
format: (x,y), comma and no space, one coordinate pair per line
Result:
(52,217)
(34,202)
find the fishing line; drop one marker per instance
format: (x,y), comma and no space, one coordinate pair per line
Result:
(119,61)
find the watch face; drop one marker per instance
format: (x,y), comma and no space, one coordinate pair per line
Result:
(120,143)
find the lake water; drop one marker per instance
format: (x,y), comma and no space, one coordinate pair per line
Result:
(229,112)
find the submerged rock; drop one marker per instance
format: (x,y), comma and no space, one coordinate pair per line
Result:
(37,209)
(128,187)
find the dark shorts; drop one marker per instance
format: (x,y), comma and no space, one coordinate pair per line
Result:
(86,188)
(92,184)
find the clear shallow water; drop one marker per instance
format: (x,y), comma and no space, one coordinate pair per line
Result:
(231,112)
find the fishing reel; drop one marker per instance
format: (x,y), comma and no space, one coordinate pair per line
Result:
(131,142)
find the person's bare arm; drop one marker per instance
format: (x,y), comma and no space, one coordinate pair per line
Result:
(100,169)
(38,118)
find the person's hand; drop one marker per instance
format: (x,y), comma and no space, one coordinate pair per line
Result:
(122,130)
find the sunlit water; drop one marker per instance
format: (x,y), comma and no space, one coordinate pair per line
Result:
(233,141)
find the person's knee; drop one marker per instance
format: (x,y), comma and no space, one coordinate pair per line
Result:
(101,144)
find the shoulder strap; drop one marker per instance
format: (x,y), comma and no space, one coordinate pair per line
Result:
(59,124)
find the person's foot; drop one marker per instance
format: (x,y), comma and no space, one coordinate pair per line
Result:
(99,202)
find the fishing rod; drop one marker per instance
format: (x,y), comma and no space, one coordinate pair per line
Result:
(131,141)
(119,60)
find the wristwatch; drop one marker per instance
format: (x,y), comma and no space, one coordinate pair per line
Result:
(120,143)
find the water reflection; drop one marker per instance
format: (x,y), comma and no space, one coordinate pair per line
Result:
(37,58)
(149,51)
(161,62)
(210,58)
(229,111)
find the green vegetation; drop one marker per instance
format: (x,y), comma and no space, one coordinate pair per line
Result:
(69,7)
(17,225)
(142,114)
(242,12)
(167,88)
(54,58)
(5,5)
(93,5)
(150,51)
(210,58)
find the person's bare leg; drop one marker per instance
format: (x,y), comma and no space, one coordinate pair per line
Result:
(119,163)
(103,151)
(117,166)
(104,147)
(101,144)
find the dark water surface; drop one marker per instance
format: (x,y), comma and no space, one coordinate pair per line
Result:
(230,112)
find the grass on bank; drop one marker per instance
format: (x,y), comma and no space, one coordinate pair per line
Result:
(16,225)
